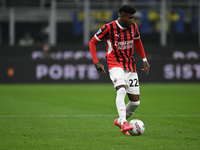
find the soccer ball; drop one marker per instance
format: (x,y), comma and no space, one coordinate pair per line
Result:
(138,127)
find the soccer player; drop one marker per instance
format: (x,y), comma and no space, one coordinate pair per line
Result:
(120,37)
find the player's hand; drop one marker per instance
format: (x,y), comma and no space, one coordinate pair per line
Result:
(146,67)
(100,68)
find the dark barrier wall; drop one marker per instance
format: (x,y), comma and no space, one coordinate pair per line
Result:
(73,64)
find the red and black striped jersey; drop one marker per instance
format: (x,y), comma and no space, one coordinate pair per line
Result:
(119,44)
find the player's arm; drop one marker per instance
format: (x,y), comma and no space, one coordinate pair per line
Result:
(140,49)
(92,46)
(101,34)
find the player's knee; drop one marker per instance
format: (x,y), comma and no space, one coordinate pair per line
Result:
(134,98)
(121,91)
(119,87)
(135,103)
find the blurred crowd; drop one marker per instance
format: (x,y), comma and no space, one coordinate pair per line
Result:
(182,21)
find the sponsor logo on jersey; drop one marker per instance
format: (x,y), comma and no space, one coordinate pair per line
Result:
(124,44)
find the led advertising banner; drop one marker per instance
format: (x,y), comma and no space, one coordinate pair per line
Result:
(76,66)
(29,71)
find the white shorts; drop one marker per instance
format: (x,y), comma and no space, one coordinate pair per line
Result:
(127,78)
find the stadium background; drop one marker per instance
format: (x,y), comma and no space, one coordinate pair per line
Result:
(169,31)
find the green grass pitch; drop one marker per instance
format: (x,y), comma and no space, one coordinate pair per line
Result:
(80,117)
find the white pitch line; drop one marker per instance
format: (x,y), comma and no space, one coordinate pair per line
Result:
(96,115)
(54,116)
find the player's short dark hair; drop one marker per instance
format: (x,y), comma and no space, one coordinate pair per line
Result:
(127,9)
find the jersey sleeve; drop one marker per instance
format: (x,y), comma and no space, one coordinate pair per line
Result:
(139,47)
(102,33)
(136,31)
(92,47)
(138,43)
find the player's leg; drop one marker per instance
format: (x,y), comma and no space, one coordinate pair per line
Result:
(132,105)
(117,77)
(133,93)
(120,103)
